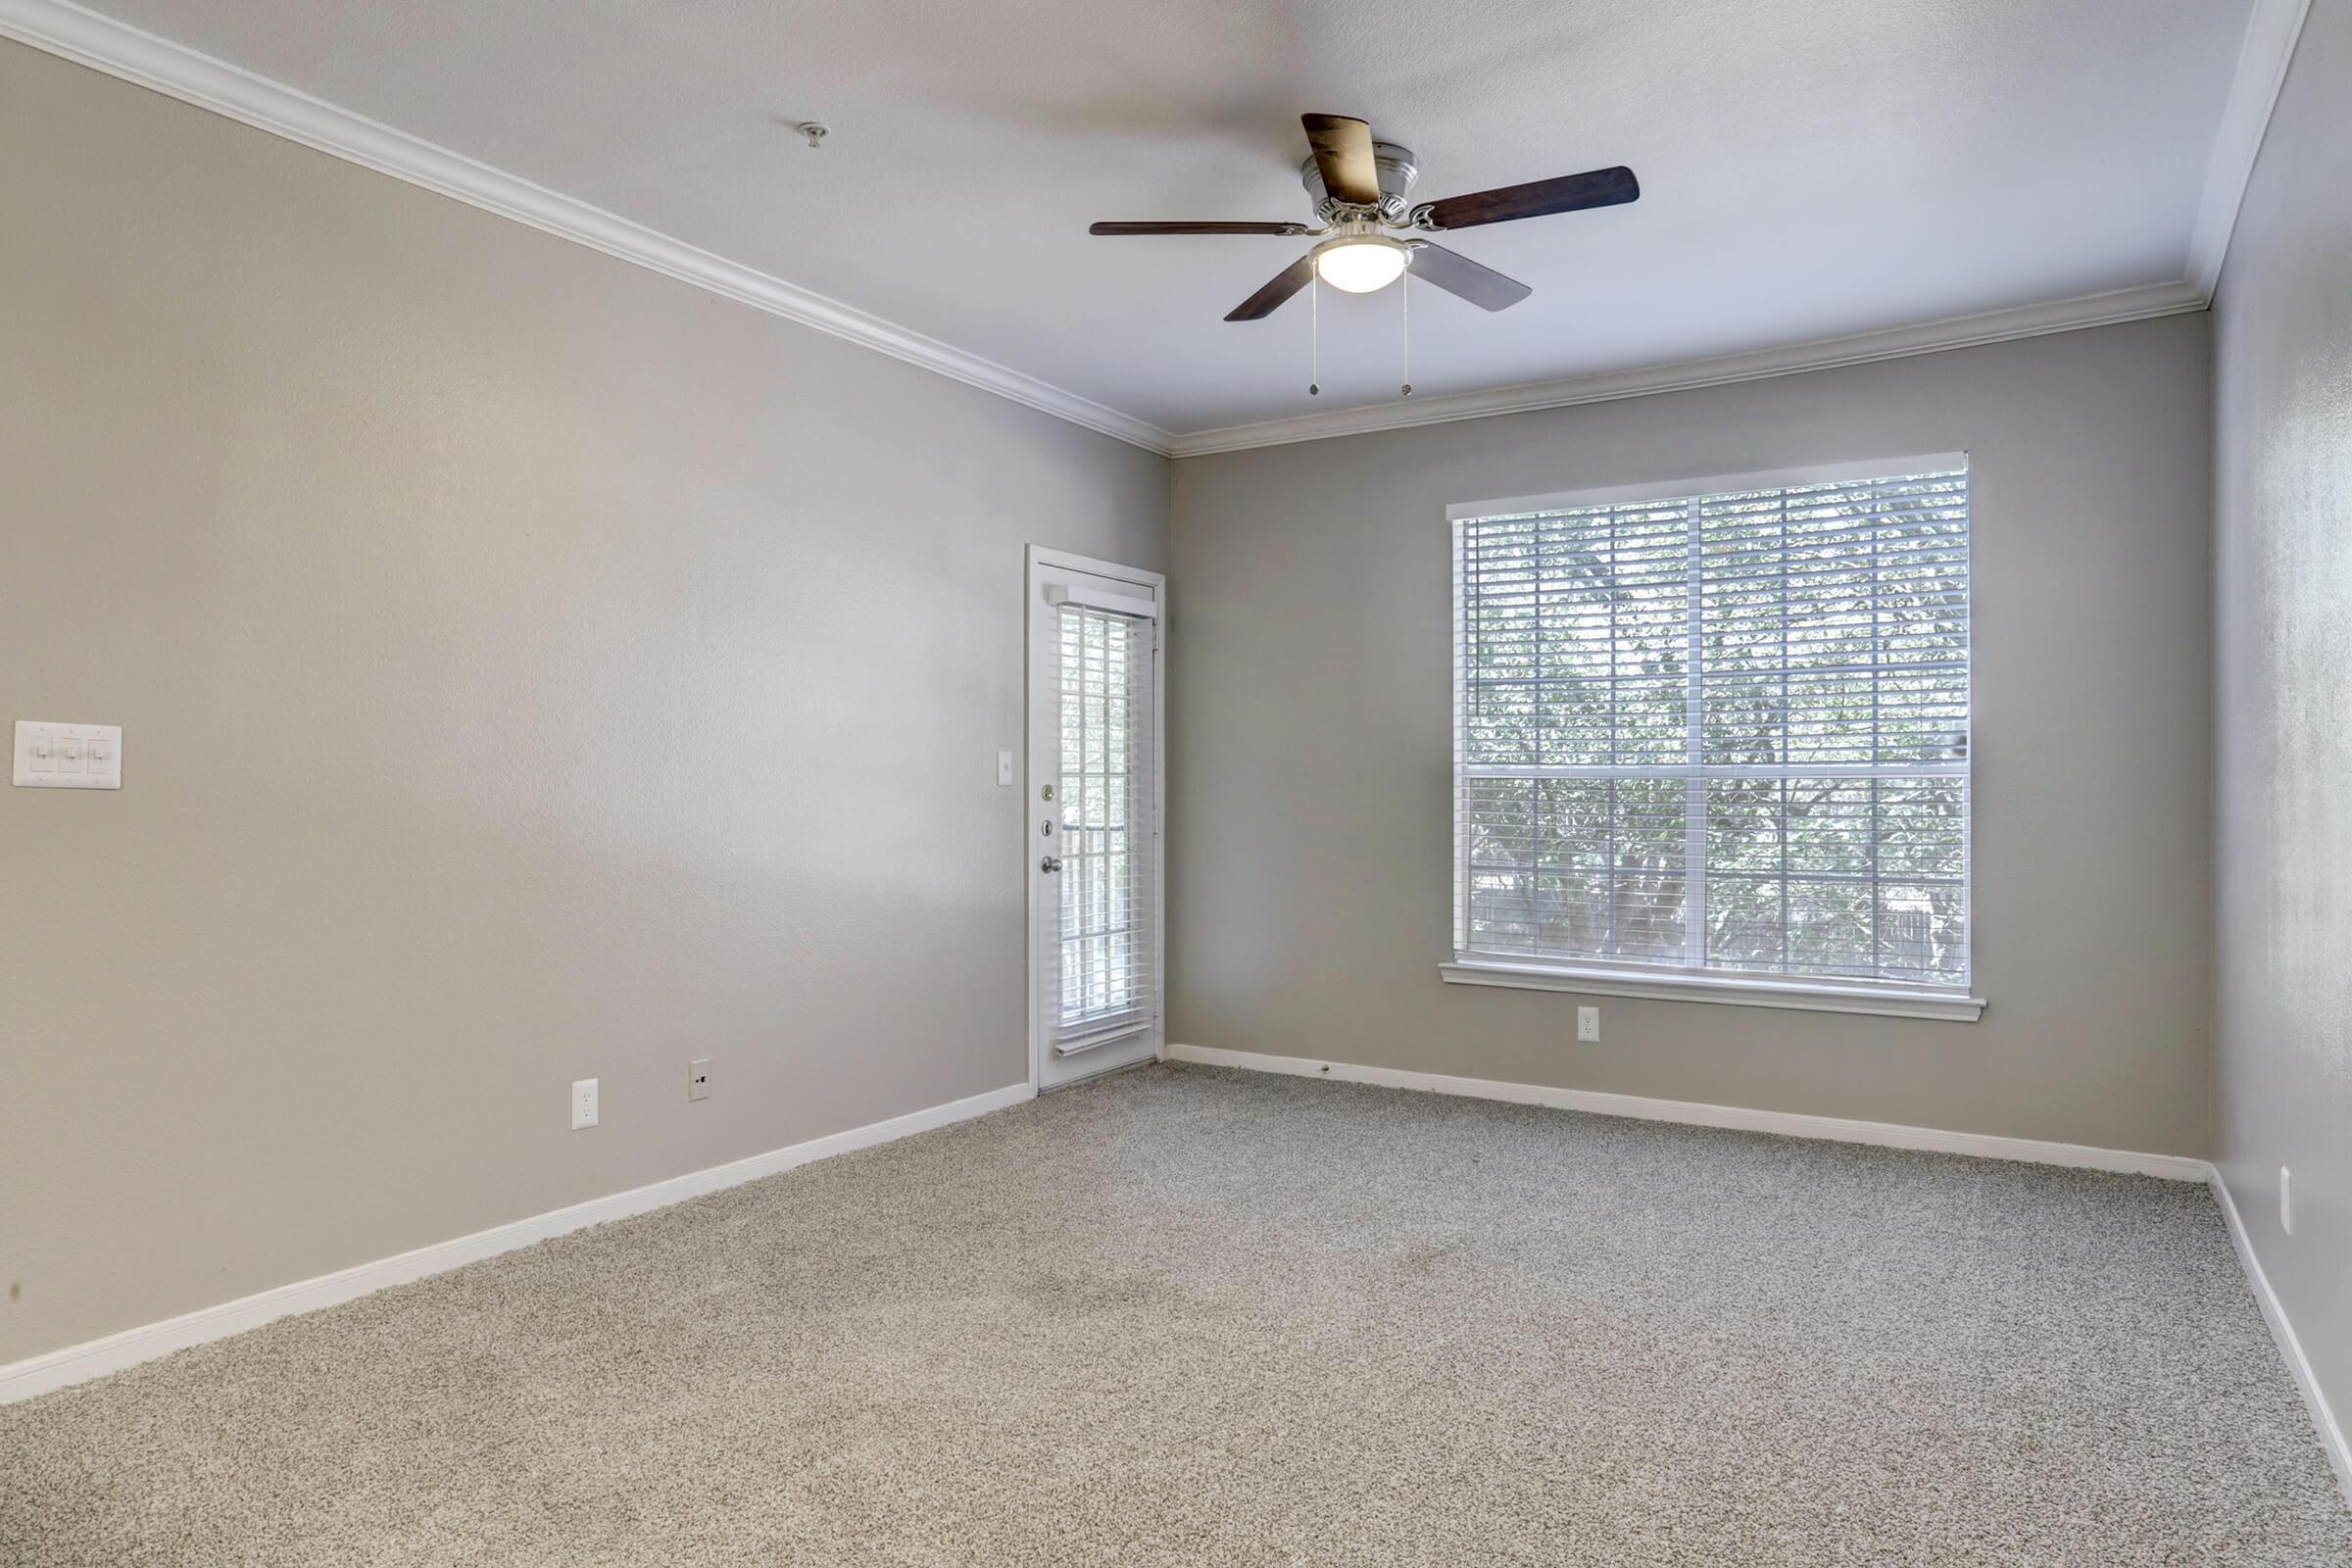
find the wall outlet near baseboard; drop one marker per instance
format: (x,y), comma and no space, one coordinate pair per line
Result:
(584,1103)
(1588,1026)
(2286,1200)
(698,1078)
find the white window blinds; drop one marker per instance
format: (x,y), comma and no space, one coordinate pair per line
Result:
(1099,984)
(1719,735)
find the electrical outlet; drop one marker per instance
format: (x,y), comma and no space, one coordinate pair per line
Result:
(1587,1024)
(584,1103)
(698,1078)
(2286,1200)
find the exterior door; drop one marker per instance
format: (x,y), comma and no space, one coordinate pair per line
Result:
(1093,820)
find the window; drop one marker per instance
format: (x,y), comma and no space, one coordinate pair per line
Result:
(1719,740)
(1102,968)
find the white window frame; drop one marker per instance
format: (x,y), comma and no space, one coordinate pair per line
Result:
(1152,594)
(1591,977)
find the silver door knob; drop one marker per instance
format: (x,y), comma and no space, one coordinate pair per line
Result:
(1051,862)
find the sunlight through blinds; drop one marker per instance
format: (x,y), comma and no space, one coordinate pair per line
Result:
(1722,734)
(1101,984)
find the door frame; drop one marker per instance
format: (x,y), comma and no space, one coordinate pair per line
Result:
(1033,608)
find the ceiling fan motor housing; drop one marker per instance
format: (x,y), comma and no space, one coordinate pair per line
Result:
(1395,169)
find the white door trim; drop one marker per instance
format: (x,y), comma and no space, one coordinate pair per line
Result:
(1157,584)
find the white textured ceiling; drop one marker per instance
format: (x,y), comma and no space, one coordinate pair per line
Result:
(1809,167)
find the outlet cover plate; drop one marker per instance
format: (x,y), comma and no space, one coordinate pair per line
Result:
(584,1103)
(698,1078)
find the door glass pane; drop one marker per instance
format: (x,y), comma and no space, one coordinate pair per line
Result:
(1103,968)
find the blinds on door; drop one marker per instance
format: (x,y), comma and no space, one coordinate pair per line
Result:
(1100,983)
(1720,734)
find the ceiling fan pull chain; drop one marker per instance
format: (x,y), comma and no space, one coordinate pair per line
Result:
(1314,336)
(1404,293)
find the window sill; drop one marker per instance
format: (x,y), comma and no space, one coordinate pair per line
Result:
(1694,988)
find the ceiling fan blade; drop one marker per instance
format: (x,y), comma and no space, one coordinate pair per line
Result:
(1456,274)
(1196,228)
(1569,193)
(1266,301)
(1344,152)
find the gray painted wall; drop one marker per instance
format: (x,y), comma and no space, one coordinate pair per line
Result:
(1311,709)
(2283,566)
(532,668)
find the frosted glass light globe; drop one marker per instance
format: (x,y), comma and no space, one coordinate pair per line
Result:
(1362,265)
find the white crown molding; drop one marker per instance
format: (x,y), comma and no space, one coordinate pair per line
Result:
(1863,348)
(2272,33)
(1695,1114)
(75,34)
(21,1380)
(118,50)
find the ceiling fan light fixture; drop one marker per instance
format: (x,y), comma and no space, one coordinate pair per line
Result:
(1359,186)
(1360,264)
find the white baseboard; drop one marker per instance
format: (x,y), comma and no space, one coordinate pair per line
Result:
(2290,1349)
(1891,1135)
(1791,1124)
(20,1380)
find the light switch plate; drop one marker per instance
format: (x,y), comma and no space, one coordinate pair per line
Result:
(68,757)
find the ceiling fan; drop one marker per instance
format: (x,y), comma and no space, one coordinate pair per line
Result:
(1359,188)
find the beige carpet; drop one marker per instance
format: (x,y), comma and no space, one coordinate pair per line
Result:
(1206,1318)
